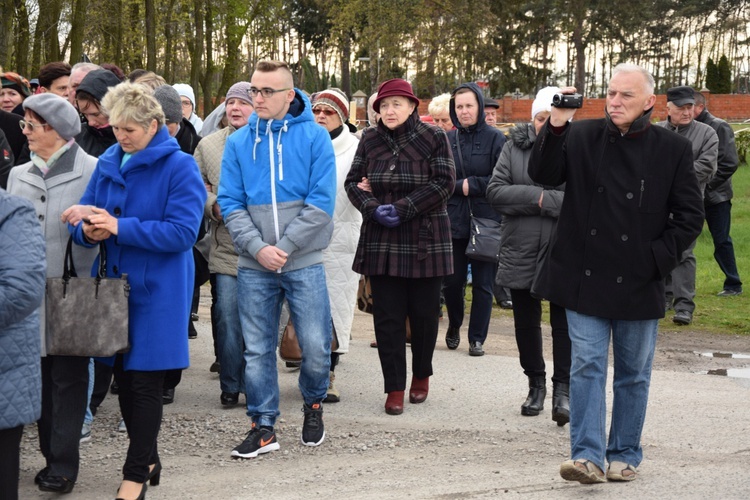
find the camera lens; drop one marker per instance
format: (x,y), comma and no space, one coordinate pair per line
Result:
(556,99)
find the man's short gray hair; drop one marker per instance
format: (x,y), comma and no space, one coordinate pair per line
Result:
(634,68)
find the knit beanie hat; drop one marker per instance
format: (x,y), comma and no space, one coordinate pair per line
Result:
(392,88)
(240,90)
(170,103)
(543,100)
(335,99)
(97,83)
(185,90)
(57,112)
(16,82)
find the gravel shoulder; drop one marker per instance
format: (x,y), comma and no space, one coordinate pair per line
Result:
(468,440)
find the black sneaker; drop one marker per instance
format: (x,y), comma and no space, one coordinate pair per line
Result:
(258,441)
(313,431)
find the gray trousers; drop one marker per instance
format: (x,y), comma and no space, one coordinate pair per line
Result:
(680,284)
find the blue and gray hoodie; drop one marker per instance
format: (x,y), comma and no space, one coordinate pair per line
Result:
(278,187)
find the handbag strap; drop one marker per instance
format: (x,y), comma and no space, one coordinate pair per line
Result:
(69,268)
(463,172)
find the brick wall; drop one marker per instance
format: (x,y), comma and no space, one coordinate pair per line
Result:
(730,107)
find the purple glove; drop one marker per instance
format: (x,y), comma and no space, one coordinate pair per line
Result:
(387,216)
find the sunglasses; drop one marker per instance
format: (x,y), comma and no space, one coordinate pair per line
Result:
(325,111)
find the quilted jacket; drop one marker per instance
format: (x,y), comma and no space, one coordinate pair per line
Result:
(22,280)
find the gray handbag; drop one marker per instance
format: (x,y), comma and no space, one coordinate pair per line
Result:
(87,316)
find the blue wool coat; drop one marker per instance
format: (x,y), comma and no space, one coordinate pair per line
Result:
(158,197)
(22,272)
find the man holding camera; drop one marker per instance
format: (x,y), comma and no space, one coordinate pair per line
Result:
(632,206)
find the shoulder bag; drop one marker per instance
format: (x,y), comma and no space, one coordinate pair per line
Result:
(87,316)
(484,233)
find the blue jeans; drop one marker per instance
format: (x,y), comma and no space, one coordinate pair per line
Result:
(89,418)
(262,294)
(633,344)
(229,343)
(719,219)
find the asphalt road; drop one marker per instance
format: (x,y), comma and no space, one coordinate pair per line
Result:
(468,440)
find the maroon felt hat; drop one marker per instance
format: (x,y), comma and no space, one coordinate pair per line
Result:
(392,88)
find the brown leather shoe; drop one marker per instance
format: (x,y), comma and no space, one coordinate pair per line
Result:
(394,404)
(419,389)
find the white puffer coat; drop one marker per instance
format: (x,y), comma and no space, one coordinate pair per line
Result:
(342,282)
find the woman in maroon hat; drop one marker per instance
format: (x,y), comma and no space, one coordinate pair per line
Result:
(401,179)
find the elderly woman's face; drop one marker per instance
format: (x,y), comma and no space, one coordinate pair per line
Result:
(132,137)
(395,110)
(443,120)
(9,99)
(43,140)
(326,117)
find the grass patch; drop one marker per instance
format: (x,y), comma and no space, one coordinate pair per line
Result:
(714,314)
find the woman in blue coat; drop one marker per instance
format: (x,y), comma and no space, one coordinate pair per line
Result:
(145,201)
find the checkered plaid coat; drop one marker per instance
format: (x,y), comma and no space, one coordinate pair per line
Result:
(411,168)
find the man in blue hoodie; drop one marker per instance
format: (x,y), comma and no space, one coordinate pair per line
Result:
(277,193)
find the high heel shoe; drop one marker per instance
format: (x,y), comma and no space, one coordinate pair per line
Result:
(154,475)
(141,496)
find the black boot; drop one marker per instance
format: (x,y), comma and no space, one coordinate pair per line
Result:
(560,403)
(535,401)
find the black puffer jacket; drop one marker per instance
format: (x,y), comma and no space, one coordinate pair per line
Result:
(480,147)
(527,228)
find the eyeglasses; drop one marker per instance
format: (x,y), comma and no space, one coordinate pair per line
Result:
(325,111)
(186,104)
(30,125)
(266,92)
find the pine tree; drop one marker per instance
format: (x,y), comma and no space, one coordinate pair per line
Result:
(712,76)
(724,74)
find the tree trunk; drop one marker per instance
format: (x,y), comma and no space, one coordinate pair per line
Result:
(346,55)
(208,76)
(150,35)
(77,30)
(23,35)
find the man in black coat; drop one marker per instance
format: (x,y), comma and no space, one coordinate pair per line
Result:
(632,206)
(718,197)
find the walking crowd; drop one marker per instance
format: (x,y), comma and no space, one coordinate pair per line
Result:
(290,212)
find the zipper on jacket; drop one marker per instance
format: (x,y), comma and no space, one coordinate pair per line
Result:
(643,188)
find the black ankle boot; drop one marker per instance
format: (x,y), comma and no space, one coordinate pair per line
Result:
(535,400)
(560,403)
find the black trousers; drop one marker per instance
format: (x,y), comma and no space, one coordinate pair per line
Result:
(527,316)
(395,299)
(10,451)
(141,406)
(102,379)
(454,289)
(65,385)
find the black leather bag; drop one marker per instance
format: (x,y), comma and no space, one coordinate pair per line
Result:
(87,316)
(484,240)
(484,234)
